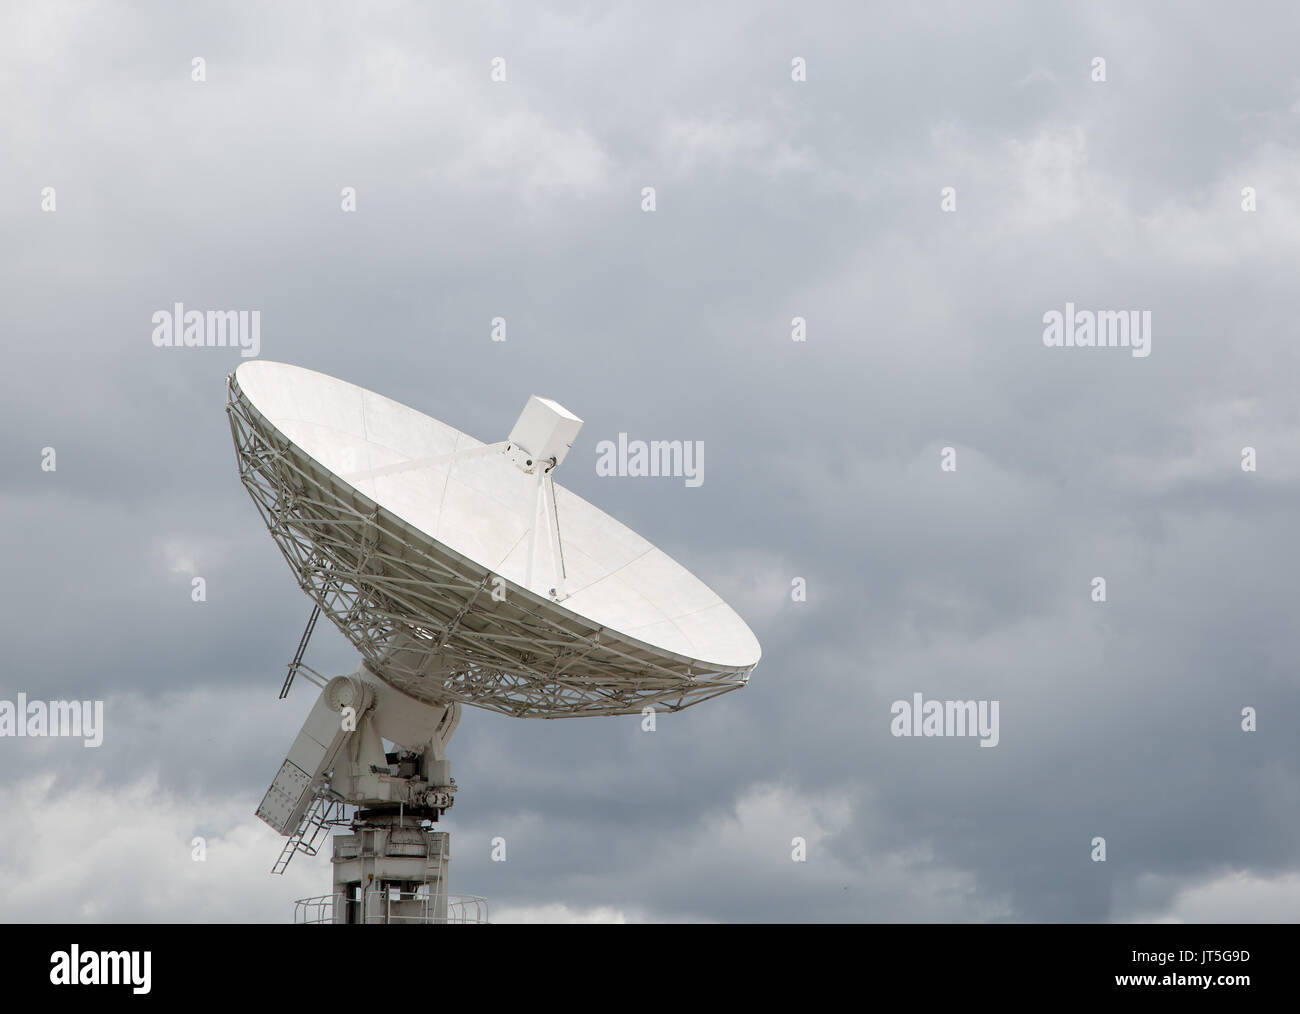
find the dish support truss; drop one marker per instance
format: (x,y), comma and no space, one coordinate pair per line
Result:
(425,619)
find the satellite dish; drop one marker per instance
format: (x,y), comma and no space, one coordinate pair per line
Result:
(463,574)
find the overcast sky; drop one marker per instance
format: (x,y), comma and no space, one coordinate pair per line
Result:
(774,199)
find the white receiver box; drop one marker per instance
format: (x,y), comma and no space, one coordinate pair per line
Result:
(545,429)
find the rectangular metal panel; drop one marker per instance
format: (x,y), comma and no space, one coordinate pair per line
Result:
(283,803)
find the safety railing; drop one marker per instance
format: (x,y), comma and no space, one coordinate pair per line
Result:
(462,909)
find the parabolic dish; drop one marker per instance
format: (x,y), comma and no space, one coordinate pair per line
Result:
(416,540)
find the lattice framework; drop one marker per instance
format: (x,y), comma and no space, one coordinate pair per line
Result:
(424,618)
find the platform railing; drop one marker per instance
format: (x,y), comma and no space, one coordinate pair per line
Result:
(462,909)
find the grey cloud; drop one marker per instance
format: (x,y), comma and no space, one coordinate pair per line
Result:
(775,200)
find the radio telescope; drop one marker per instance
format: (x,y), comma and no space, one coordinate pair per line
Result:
(463,574)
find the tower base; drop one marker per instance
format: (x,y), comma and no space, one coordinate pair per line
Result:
(391,870)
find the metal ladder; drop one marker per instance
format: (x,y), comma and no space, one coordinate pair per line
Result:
(314,826)
(296,664)
(436,885)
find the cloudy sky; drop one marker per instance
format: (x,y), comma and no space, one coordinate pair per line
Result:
(774,199)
